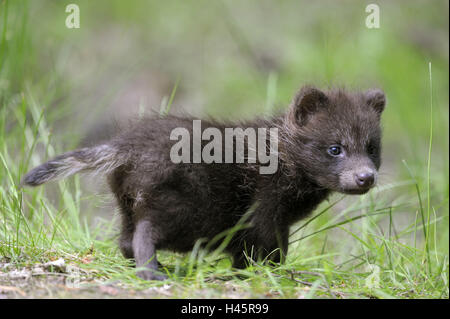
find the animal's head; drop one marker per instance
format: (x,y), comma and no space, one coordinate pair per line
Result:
(335,137)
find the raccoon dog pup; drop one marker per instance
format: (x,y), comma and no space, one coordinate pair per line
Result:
(328,141)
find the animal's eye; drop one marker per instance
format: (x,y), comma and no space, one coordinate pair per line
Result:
(335,150)
(371,149)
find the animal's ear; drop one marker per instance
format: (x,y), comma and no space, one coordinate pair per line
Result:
(305,103)
(376,99)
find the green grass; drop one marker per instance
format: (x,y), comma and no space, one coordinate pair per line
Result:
(56,83)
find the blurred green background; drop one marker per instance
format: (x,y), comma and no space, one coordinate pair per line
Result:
(231,59)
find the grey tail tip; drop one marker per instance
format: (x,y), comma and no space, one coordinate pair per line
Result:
(34,178)
(29,181)
(100,158)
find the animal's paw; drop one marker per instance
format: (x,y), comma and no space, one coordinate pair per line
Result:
(151,275)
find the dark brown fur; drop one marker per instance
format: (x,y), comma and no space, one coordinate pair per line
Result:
(171,206)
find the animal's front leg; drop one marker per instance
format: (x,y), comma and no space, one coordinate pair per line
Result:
(278,251)
(145,252)
(261,242)
(270,232)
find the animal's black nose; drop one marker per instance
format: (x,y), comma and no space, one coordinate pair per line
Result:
(365,179)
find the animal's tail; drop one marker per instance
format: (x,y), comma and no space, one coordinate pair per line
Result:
(102,158)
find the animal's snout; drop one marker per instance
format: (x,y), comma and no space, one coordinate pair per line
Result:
(365,179)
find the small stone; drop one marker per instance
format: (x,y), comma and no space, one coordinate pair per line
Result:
(57,265)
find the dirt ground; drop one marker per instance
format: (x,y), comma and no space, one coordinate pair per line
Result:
(57,280)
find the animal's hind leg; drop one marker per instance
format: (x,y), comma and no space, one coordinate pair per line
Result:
(145,252)
(127,229)
(126,211)
(126,236)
